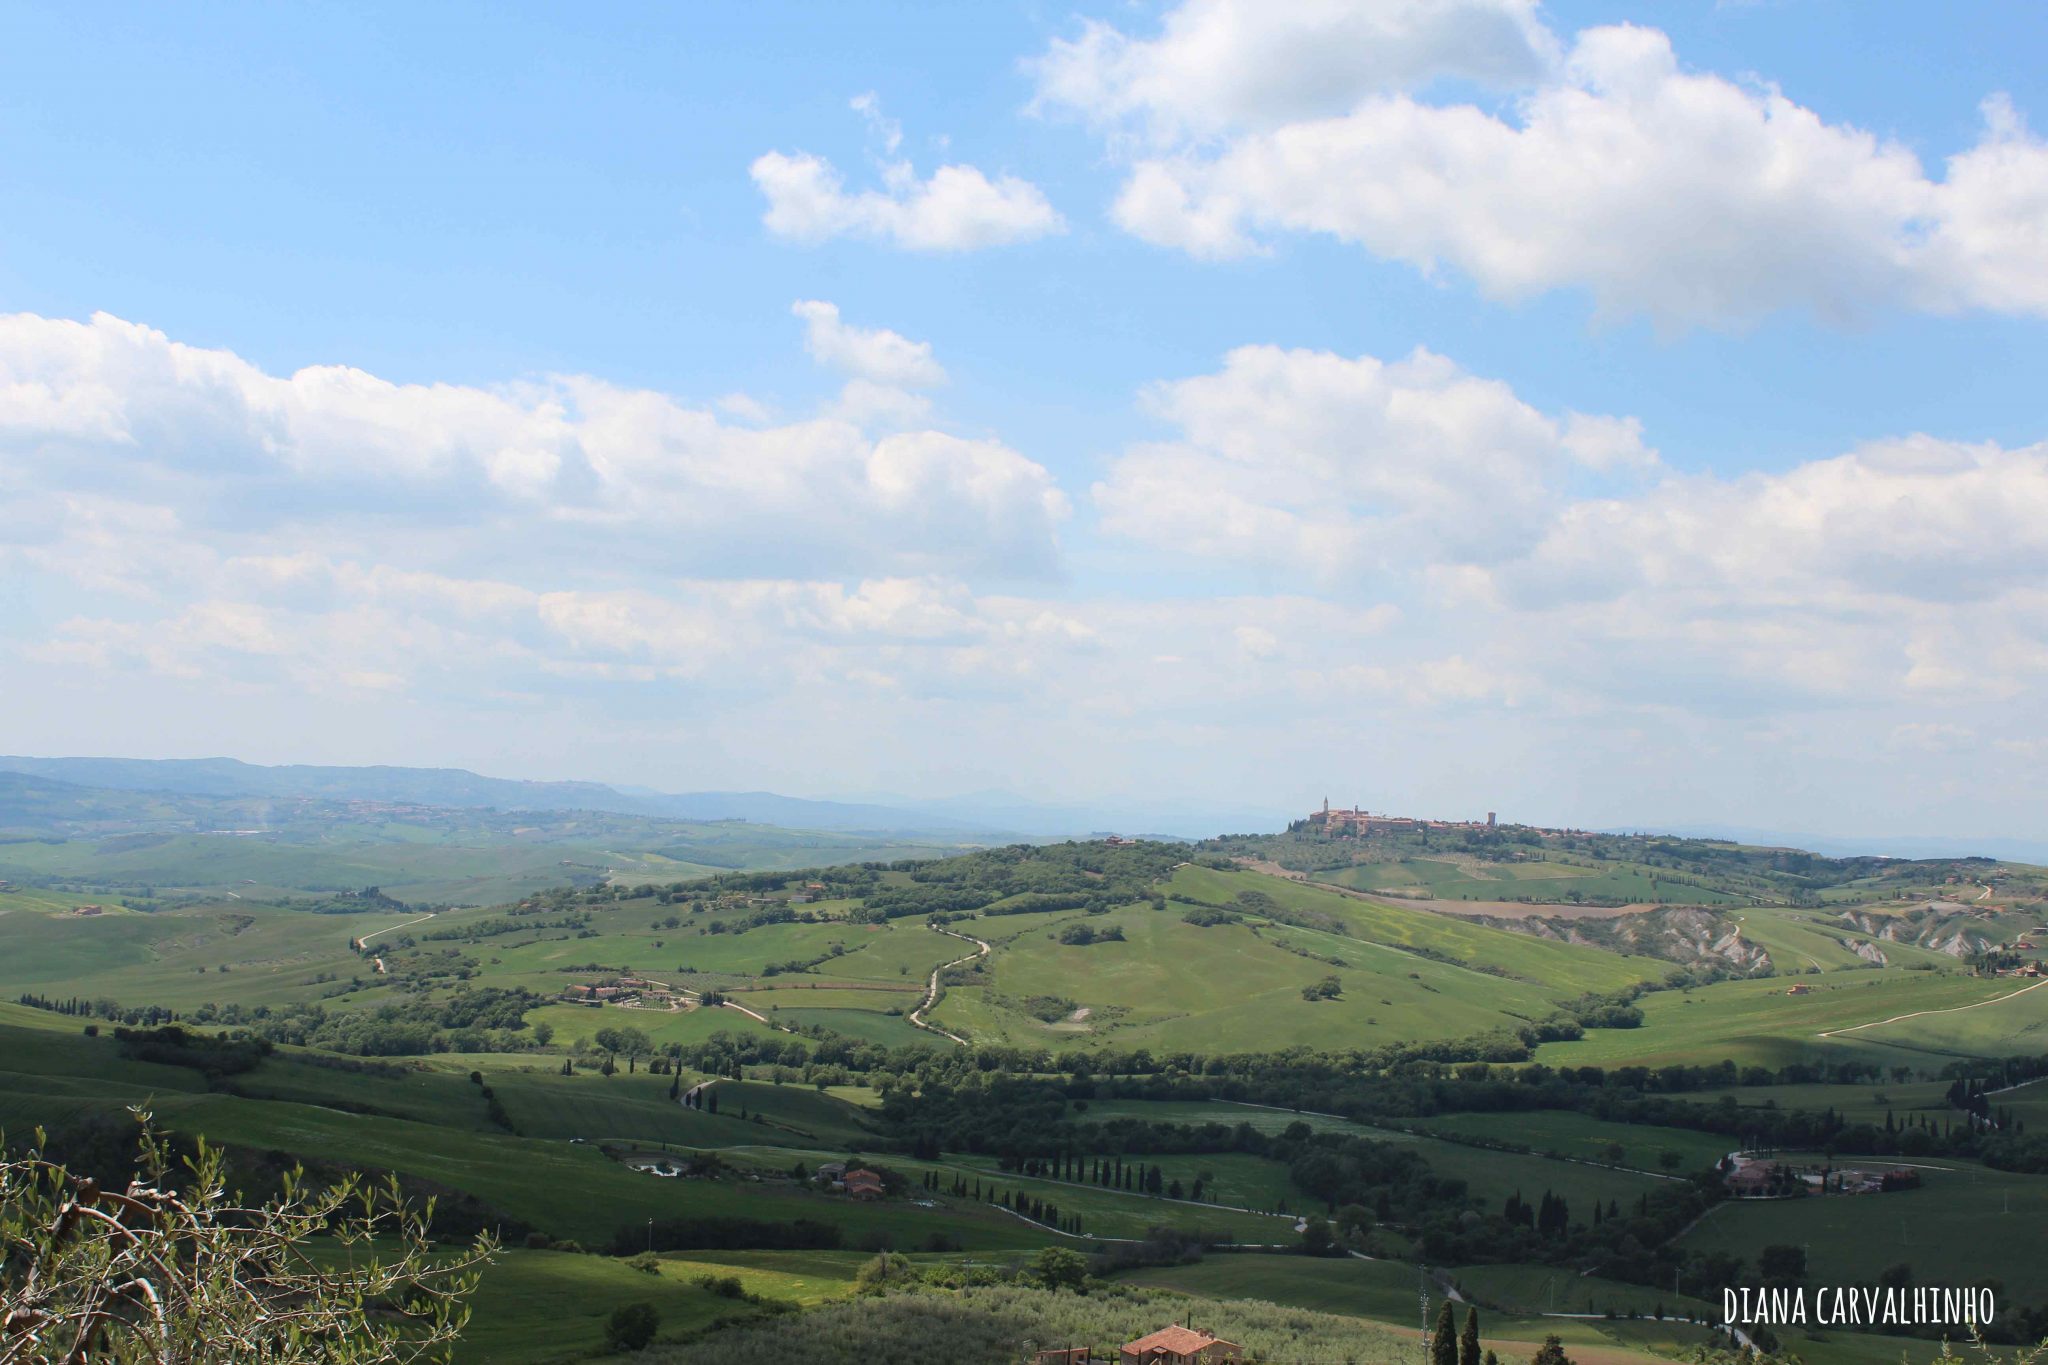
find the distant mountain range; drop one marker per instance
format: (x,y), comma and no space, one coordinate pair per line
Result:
(981,815)
(459,788)
(985,816)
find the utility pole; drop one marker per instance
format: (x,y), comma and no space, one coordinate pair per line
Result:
(650,1234)
(1422,1294)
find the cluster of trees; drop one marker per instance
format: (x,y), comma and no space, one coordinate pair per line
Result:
(519,919)
(1020,1202)
(630,1043)
(78,1007)
(471,1019)
(212,1055)
(369,898)
(987,1099)
(1081,934)
(1551,1217)
(761,918)
(1329,988)
(1449,1346)
(1078,876)
(1109,1172)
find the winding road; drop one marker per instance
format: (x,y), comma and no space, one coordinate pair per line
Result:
(364,941)
(931,990)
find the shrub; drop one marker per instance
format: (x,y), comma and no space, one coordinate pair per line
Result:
(631,1326)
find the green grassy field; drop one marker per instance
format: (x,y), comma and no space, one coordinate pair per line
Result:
(1964,1225)
(1490,1174)
(1538,1289)
(1756,1022)
(1866,1103)
(1550,880)
(864,1024)
(1565,1134)
(538,1307)
(1134,991)
(256,954)
(2028,1103)
(1559,967)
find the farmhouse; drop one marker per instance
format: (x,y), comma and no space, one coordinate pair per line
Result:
(1801,989)
(1177,1345)
(862,1183)
(88,909)
(590,993)
(1752,1178)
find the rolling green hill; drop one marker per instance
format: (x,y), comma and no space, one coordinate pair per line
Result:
(1130,996)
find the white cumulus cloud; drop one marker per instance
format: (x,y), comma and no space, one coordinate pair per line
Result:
(955,208)
(1682,196)
(564,464)
(1335,465)
(1217,64)
(872,353)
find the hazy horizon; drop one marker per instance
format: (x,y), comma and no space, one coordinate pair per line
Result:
(992,811)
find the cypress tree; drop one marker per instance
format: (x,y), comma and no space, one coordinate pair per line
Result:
(1443,1343)
(1468,1340)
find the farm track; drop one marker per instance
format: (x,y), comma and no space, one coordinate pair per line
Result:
(1916,1014)
(395,927)
(364,941)
(931,991)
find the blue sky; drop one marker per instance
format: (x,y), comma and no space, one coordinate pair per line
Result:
(1714,496)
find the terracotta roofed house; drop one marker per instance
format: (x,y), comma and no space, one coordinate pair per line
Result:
(863,1184)
(1753,1179)
(1177,1345)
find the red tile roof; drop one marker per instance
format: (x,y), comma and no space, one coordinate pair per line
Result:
(1176,1340)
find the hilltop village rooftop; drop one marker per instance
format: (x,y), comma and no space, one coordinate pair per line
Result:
(1360,821)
